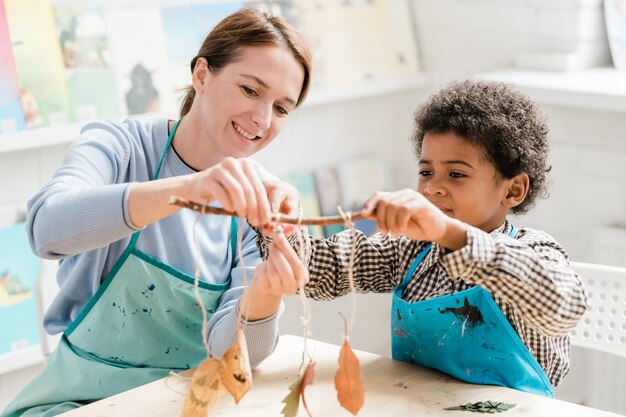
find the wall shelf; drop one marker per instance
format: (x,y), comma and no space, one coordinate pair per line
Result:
(66,133)
(601,89)
(371,88)
(23,358)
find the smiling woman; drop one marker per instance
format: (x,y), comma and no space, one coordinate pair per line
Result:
(255,102)
(126,305)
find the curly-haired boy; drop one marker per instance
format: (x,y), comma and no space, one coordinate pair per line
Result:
(473,296)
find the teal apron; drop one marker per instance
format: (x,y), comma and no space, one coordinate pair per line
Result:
(465,335)
(143,321)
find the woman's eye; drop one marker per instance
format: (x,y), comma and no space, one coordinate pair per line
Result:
(249,91)
(281,110)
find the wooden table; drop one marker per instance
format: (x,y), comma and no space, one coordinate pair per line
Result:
(391,389)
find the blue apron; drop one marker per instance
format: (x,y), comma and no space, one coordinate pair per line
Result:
(465,335)
(143,321)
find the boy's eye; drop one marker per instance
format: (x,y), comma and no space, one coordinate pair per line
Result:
(249,91)
(424,173)
(281,110)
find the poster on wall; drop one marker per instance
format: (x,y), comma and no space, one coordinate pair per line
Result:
(89,73)
(35,47)
(19,270)
(185,28)
(11,114)
(139,59)
(371,39)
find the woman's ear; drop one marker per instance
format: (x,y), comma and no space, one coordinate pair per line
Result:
(199,74)
(517,190)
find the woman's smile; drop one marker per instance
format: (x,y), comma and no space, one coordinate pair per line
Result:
(243,132)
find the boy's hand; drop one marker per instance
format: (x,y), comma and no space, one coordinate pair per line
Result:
(410,214)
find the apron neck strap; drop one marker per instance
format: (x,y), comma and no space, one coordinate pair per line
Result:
(167,145)
(418,260)
(420,257)
(133,239)
(234,233)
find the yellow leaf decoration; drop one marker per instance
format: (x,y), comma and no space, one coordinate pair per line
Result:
(350,390)
(292,400)
(235,371)
(204,390)
(307,379)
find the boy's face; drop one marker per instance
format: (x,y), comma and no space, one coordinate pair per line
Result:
(457,177)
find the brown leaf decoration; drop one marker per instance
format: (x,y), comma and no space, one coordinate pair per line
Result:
(235,371)
(292,400)
(350,390)
(205,388)
(307,379)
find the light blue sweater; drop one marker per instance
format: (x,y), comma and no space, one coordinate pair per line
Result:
(80,217)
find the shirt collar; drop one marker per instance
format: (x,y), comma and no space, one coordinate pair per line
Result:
(504,228)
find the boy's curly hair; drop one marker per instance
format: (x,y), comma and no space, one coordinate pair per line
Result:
(503,121)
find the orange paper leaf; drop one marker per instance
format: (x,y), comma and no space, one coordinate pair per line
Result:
(235,371)
(350,390)
(307,379)
(205,388)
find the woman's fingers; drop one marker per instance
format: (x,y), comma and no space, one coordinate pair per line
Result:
(244,193)
(237,186)
(261,212)
(283,197)
(287,269)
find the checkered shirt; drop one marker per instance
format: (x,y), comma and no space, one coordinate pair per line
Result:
(528,277)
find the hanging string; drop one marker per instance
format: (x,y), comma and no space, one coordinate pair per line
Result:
(173,374)
(350,225)
(306,309)
(196,281)
(243,321)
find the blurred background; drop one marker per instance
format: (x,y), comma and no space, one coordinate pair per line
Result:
(63,63)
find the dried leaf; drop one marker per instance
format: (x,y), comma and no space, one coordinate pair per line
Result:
(205,388)
(235,371)
(491,407)
(307,379)
(292,400)
(350,390)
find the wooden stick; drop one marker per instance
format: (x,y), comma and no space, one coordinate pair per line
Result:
(311,221)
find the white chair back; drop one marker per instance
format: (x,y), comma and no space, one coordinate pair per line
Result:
(603,327)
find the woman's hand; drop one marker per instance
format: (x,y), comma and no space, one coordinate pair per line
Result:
(410,214)
(236,185)
(281,273)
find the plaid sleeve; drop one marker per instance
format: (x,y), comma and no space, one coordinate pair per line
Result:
(375,262)
(295,240)
(530,274)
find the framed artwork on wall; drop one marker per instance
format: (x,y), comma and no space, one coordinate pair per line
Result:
(19,270)
(615,15)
